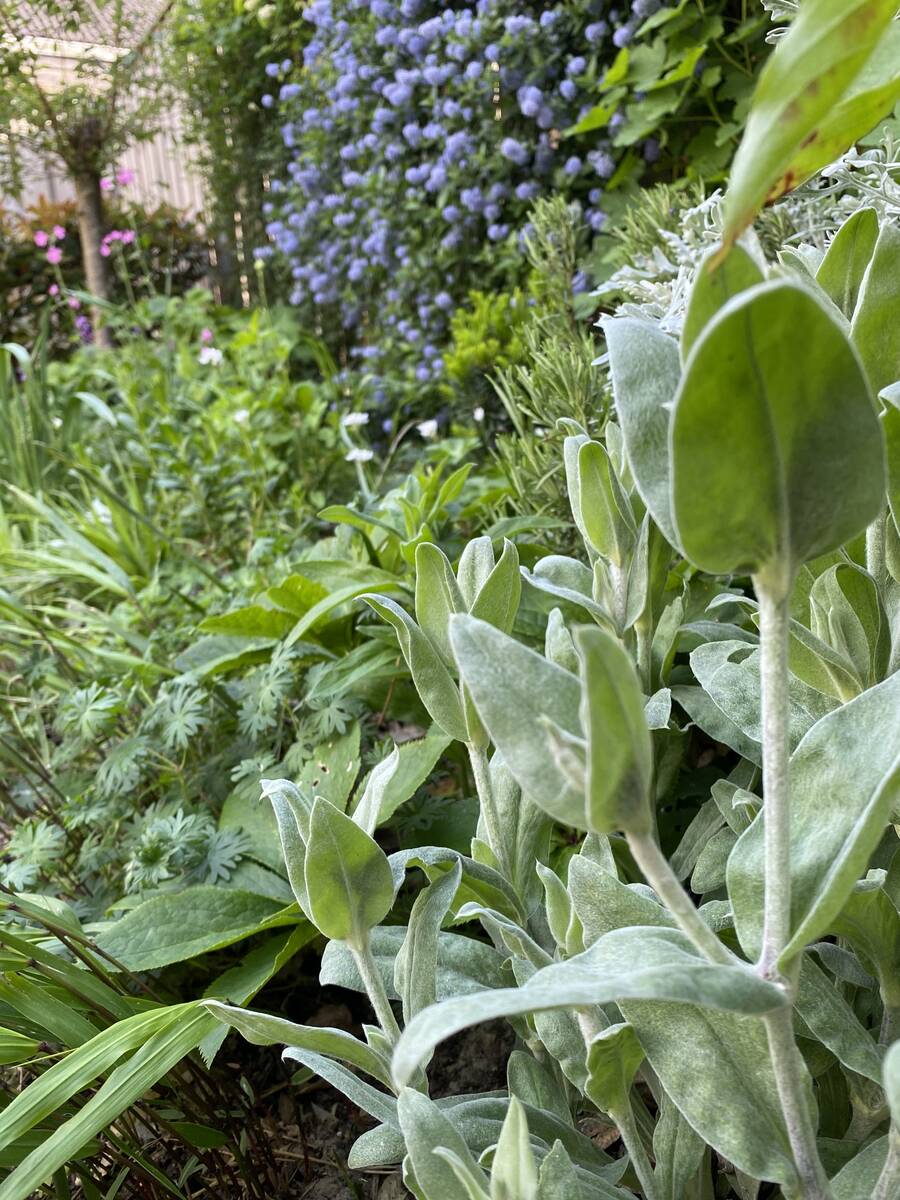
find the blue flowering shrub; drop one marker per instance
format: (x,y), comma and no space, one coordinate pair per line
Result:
(421,133)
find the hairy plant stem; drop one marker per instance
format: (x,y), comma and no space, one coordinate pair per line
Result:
(774,631)
(656,870)
(888,1185)
(631,1140)
(481,770)
(788,1069)
(787,1065)
(375,990)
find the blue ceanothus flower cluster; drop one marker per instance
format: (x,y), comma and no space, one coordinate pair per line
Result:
(422,133)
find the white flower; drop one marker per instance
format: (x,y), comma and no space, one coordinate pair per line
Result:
(428,429)
(358,455)
(209,354)
(267,11)
(101,511)
(354,418)
(241,415)
(478,414)
(56,422)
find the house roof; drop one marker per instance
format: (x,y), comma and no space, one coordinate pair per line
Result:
(99,22)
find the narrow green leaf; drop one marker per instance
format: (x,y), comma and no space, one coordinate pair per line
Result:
(847,259)
(646,369)
(614,1057)
(433,681)
(620,752)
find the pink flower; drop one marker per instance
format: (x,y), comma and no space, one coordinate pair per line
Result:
(54,256)
(104,249)
(41,238)
(127,237)
(107,185)
(74,302)
(206,336)
(59,232)
(123,178)
(53,289)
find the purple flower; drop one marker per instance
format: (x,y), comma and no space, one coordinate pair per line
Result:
(572,165)
(651,150)
(497,232)
(530,100)
(272,70)
(474,70)
(266,100)
(568,89)
(514,151)
(595,32)
(576,66)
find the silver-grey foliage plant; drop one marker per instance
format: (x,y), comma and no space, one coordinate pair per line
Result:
(741,575)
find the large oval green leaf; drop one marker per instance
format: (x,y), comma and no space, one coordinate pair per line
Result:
(777,453)
(800,87)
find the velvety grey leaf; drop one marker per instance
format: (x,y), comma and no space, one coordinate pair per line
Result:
(832,1021)
(677,1149)
(497,601)
(620,752)
(437,597)
(261,1029)
(464,964)
(875,328)
(795,428)
(709,871)
(536,1085)
(379,1105)
(624,964)
(349,884)
(646,369)
(707,822)
(433,681)
(416,964)
(515,690)
(847,258)
(707,715)
(425,1128)
(858,1179)
(716,281)
(844,778)
(747,1128)
(603,903)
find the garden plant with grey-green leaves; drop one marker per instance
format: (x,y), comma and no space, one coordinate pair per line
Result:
(731,1002)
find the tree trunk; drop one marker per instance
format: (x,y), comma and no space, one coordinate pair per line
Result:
(90,229)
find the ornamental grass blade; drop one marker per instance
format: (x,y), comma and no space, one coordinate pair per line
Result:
(186,1027)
